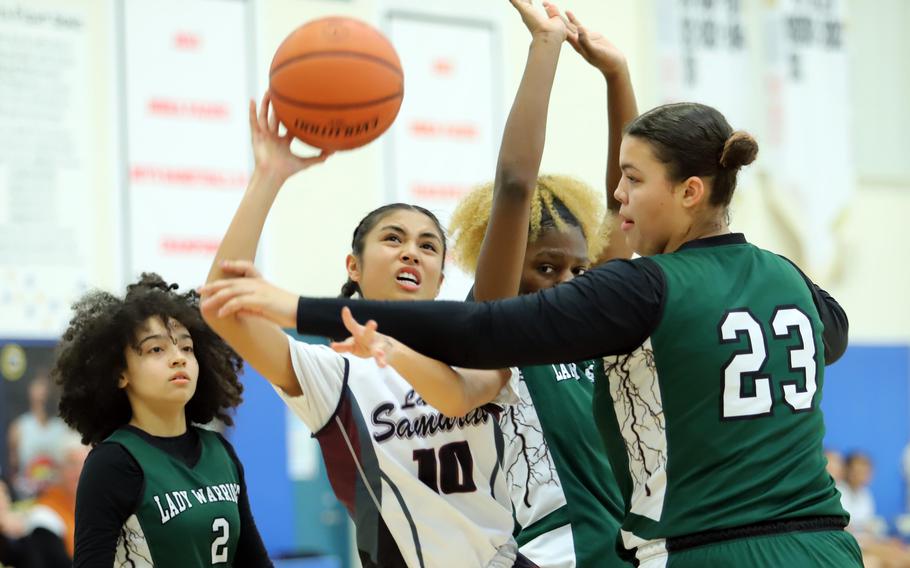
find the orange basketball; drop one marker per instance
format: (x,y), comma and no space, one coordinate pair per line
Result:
(336,83)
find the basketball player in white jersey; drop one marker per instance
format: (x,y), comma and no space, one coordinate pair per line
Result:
(424,485)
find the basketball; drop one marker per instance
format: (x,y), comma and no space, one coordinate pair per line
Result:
(336,83)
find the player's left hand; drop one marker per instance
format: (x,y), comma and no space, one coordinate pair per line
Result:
(365,341)
(595,48)
(247,294)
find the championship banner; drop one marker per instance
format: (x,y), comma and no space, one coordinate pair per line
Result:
(187,132)
(703,56)
(446,137)
(807,141)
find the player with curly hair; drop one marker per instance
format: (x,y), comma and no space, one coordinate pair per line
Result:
(138,374)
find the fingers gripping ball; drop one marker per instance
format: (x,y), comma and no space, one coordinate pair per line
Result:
(336,83)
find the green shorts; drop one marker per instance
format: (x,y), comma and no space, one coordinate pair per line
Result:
(806,549)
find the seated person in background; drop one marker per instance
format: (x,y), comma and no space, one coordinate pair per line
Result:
(34,440)
(870,530)
(50,522)
(41,535)
(835,465)
(856,497)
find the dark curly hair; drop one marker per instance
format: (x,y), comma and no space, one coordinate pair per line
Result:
(91,357)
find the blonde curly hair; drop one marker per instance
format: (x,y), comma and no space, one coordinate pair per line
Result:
(553,192)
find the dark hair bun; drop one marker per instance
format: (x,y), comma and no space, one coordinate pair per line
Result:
(740,150)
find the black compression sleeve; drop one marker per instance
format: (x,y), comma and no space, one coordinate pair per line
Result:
(109,491)
(833,316)
(610,310)
(250,549)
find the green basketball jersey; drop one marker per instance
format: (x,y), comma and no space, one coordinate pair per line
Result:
(715,421)
(187,516)
(583,493)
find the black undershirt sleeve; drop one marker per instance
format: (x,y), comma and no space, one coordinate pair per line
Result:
(610,310)
(250,549)
(109,491)
(833,316)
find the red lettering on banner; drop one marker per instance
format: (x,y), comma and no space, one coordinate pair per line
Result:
(187,41)
(142,174)
(443,67)
(188,246)
(459,131)
(194,109)
(438,191)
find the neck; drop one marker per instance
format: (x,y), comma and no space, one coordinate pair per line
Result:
(165,423)
(711,228)
(39,413)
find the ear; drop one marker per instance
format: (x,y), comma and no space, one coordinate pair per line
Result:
(353,267)
(693,192)
(121,384)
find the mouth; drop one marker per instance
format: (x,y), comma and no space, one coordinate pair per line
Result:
(408,279)
(626,223)
(180,378)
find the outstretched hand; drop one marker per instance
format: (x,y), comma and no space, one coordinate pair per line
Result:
(271,150)
(364,341)
(549,23)
(595,48)
(245,293)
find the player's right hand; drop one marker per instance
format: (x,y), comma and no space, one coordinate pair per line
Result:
(271,150)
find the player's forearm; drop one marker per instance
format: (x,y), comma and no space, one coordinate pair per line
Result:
(501,257)
(437,383)
(525,130)
(621,110)
(243,234)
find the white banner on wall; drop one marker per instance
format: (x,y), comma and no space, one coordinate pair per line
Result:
(186,74)
(446,137)
(808,141)
(703,56)
(47,211)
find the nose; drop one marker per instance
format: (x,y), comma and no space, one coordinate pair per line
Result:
(409,254)
(620,194)
(178,357)
(566,275)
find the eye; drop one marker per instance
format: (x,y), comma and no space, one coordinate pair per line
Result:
(632,179)
(156,349)
(546,269)
(392,237)
(188,348)
(579,270)
(428,246)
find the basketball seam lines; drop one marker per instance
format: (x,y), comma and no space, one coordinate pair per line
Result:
(354,54)
(325,106)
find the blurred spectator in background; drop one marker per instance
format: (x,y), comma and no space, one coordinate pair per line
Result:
(41,534)
(35,439)
(835,465)
(870,530)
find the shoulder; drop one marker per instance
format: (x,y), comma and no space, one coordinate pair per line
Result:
(111,455)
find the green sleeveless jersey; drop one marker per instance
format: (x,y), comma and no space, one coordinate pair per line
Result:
(187,516)
(569,478)
(715,421)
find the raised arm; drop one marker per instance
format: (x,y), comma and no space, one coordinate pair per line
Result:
(454,392)
(260,342)
(499,264)
(621,110)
